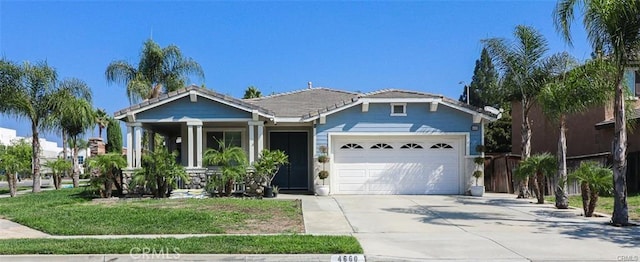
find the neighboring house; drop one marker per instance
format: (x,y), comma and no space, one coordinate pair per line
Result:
(49,150)
(384,142)
(589,135)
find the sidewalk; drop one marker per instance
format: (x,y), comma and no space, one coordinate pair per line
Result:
(322,215)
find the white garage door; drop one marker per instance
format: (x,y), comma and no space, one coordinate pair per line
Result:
(396,165)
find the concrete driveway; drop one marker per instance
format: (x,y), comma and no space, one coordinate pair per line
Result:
(493,228)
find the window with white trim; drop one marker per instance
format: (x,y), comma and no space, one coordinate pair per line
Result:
(381,146)
(441,146)
(411,146)
(351,146)
(632,79)
(398,109)
(229,138)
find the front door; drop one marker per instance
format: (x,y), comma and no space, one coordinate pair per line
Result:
(295,175)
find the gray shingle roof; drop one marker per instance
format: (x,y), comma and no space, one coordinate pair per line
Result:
(303,102)
(187,90)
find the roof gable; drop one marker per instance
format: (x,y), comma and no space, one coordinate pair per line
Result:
(195,92)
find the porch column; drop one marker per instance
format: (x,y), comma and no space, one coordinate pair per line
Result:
(138,144)
(129,145)
(260,137)
(194,157)
(252,143)
(199,145)
(190,143)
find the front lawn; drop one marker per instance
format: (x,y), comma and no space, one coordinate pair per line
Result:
(281,244)
(605,204)
(72,212)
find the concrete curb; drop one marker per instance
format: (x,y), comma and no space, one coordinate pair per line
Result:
(166,257)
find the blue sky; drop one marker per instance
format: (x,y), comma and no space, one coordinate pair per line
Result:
(427,46)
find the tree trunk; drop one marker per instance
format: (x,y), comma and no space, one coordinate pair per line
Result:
(35,158)
(56,180)
(562,197)
(585,192)
(64,151)
(620,209)
(11,181)
(76,167)
(108,185)
(159,184)
(117,181)
(593,201)
(526,148)
(228,188)
(539,187)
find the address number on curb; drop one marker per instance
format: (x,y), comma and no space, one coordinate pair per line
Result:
(347,258)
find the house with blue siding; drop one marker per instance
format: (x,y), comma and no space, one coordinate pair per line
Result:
(385,142)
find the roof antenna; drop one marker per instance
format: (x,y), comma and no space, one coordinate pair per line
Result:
(309,85)
(151,35)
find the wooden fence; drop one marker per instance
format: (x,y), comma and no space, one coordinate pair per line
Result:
(499,172)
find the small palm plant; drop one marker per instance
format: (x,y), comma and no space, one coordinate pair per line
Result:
(159,173)
(232,161)
(15,159)
(594,180)
(109,165)
(59,167)
(540,165)
(269,162)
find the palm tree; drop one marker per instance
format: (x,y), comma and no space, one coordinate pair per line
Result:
(102,120)
(58,167)
(613,27)
(109,165)
(159,173)
(159,70)
(525,70)
(594,179)
(574,91)
(540,165)
(232,161)
(252,92)
(76,116)
(32,92)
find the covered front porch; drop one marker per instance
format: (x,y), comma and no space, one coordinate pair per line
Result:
(191,138)
(193,120)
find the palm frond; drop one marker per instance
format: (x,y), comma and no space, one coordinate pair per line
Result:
(119,72)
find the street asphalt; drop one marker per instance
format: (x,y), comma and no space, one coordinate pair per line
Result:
(496,227)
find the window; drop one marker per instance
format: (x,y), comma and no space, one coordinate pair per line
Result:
(632,79)
(80,160)
(381,146)
(230,138)
(441,146)
(411,146)
(398,109)
(351,146)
